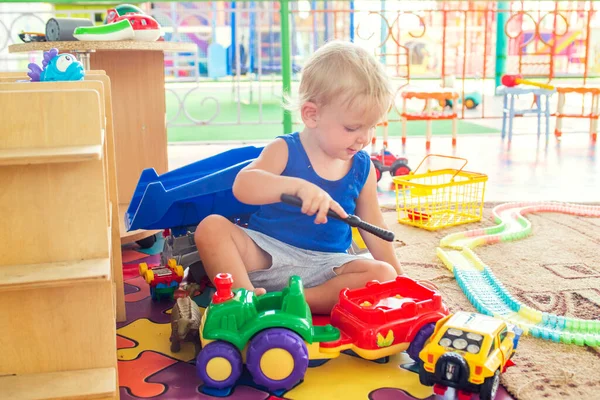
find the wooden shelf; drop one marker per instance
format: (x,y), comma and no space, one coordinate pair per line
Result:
(50,155)
(21,277)
(99,383)
(60,174)
(47,155)
(86,46)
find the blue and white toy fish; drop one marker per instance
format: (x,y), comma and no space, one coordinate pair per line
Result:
(56,67)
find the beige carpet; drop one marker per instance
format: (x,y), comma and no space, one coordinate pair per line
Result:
(556,269)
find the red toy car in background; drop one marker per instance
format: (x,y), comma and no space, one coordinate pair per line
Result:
(389,162)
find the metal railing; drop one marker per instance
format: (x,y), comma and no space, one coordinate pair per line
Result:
(470,42)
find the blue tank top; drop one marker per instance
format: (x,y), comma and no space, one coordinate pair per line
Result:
(286,223)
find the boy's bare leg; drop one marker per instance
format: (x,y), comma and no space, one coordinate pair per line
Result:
(354,274)
(225,247)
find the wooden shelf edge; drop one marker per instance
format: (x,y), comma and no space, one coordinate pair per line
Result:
(21,277)
(138,234)
(97,383)
(132,236)
(48,155)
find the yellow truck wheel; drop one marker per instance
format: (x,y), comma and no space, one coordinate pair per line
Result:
(143,267)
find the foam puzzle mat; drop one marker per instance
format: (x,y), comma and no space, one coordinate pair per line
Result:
(148,369)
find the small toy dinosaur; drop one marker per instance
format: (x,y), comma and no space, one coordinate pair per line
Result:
(56,67)
(185,324)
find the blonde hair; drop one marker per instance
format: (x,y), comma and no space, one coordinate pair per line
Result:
(343,72)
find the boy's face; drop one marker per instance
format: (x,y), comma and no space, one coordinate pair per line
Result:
(343,131)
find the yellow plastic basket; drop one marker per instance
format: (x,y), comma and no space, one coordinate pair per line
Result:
(440,198)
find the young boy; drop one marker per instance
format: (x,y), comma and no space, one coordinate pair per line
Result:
(343,93)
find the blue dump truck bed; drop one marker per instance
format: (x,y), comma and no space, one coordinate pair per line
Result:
(185,196)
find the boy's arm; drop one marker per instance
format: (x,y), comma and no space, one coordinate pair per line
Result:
(367,209)
(260,182)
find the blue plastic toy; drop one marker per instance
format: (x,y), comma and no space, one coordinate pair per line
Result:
(185,196)
(56,67)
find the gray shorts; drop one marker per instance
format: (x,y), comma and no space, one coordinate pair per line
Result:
(313,267)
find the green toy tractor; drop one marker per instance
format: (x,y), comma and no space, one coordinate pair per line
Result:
(269,332)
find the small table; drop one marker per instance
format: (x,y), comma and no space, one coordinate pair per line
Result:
(509,112)
(428,115)
(137,73)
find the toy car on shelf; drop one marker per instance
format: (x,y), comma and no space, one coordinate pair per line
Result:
(472,100)
(163,280)
(468,351)
(28,37)
(389,162)
(276,333)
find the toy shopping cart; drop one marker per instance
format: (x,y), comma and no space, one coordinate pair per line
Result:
(439,198)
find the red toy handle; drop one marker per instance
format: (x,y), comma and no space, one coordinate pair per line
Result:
(223,283)
(511,80)
(515,80)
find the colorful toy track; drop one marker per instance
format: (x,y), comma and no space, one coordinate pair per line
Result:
(488,294)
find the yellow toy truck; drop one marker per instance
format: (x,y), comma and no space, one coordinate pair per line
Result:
(468,351)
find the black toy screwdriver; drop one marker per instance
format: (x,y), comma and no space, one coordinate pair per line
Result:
(352,220)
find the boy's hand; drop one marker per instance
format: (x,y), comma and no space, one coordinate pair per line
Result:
(316,200)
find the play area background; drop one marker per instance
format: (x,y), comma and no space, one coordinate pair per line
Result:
(262,120)
(542,271)
(230,87)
